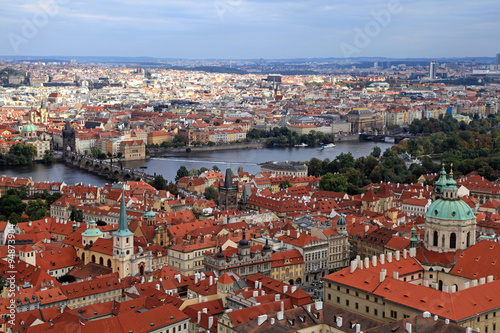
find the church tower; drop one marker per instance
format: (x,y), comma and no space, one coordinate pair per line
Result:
(69,142)
(123,244)
(228,194)
(450,224)
(341,225)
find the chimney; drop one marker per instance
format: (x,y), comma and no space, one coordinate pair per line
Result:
(199,317)
(360,264)
(211,280)
(436,317)
(308,307)
(353,266)
(261,319)
(260,285)
(288,233)
(210,322)
(358,328)
(408,327)
(262,293)
(255,293)
(397,256)
(466,285)
(318,305)
(383,274)
(195,279)
(339,321)
(272,321)
(178,277)
(285,288)
(277,297)
(382,259)
(482,281)
(389,257)
(374,261)
(489,278)
(427,314)
(367,262)
(256,284)
(367,227)
(395,275)
(474,283)
(205,310)
(413,252)
(294,288)
(447,321)
(445,288)
(405,254)
(282,307)
(453,289)
(199,298)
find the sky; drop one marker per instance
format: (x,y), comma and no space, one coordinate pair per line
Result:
(251,29)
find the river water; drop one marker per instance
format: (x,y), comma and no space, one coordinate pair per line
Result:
(170,163)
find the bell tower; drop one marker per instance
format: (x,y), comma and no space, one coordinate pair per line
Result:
(123,244)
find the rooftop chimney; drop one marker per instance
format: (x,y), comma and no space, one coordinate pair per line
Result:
(413,252)
(405,254)
(382,259)
(398,255)
(318,305)
(408,327)
(474,283)
(395,275)
(466,285)
(389,257)
(482,281)
(285,289)
(367,262)
(353,266)
(374,261)
(383,274)
(199,317)
(261,319)
(210,322)
(489,278)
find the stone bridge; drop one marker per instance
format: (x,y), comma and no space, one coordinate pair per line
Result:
(113,172)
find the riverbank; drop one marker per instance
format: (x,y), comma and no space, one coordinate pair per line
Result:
(230,146)
(346,138)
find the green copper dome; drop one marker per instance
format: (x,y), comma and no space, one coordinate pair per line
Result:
(149,215)
(29,127)
(452,210)
(92,230)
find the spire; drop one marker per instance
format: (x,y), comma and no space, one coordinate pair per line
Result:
(228,183)
(413,239)
(122,222)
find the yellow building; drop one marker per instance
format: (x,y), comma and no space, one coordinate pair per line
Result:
(288,267)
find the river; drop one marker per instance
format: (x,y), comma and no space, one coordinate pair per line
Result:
(170,163)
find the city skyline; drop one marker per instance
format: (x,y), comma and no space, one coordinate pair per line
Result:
(241,29)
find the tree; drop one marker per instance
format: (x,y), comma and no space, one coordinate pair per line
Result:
(211,193)
(36,209)
(240,169)
(172,188)
(194,172)
(159,183)
(285,184)
(215,168)
(202,170)
(48,157)
(179,140)
(335,183)
(10,205)
(76,215)
(182,172)
(376,152)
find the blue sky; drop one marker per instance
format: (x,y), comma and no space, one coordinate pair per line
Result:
(242,29)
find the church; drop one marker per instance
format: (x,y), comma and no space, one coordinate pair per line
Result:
(117,253)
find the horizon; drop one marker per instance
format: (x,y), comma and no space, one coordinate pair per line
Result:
(252,29)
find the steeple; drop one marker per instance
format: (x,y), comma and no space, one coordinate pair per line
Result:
(413,239)
(228,183)
(441,182)
(122,222)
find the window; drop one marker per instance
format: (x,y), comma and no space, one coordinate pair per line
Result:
(367,309)
(394,314)
(356,306)
(375,312)
(338,299)
(329,297)
(347,302)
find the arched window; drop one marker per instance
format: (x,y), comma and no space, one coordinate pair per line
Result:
(468,239)
(109,262)
(440,285)
(83,256)
(453,241)
(435,241)
(93,258)
(101,261)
